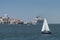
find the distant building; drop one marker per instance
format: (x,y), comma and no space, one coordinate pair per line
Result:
(6,20)
(15,21)
(37,20)
(1,20)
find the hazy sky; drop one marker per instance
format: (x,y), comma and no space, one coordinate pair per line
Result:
(28,9)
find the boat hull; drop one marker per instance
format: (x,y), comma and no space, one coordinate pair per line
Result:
(46,32)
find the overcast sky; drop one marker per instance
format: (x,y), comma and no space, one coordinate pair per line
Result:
(28,9)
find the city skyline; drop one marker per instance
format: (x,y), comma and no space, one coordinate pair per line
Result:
(28,9)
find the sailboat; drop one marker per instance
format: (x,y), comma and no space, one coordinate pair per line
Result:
(45,28)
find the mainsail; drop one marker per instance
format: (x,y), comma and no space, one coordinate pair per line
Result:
(45,26)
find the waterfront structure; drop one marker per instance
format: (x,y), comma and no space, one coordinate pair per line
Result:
(37,20)
(6,20)
(8,25)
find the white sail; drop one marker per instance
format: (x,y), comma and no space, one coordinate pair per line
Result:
(45,26)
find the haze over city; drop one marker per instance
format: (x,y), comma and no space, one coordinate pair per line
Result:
(28,9)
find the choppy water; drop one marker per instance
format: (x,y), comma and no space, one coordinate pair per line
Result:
(30,32)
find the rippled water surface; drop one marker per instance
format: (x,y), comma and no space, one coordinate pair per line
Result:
(28,32)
